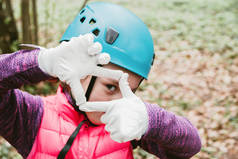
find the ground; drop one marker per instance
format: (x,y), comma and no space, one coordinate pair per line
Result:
(195,70)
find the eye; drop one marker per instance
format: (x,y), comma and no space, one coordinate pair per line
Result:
(111,87)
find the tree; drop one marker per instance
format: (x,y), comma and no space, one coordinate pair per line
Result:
(8,29)
(35,22)
(26,22)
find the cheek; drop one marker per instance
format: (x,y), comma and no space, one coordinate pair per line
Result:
(94,117)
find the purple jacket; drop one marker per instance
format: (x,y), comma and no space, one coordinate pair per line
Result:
(169,136)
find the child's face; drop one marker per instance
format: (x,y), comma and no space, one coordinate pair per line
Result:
(106,89)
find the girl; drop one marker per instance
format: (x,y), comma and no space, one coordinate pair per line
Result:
(109,120)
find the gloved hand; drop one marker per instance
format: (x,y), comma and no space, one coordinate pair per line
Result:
(126,118)
(74,60)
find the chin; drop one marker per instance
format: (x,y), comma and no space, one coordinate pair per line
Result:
(94,117)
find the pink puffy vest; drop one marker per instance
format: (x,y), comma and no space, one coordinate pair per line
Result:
(58,123)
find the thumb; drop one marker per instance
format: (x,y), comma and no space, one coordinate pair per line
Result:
(77,91)
(96,106)
(124,86)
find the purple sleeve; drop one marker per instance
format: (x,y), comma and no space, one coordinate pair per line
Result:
(20,112)
(169,136)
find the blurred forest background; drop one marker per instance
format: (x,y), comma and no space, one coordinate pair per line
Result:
(195,73)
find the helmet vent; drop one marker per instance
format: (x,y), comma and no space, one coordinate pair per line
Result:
(96,32)
(82,19)
(92,21)
(82,11)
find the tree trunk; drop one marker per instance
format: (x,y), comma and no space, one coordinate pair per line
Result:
(26,23)
(35,22)
(8,29)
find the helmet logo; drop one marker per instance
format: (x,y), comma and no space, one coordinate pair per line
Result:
(111,35)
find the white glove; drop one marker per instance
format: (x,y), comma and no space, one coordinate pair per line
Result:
(74,60)
(126,118)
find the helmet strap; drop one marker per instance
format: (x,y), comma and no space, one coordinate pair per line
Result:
(90,87)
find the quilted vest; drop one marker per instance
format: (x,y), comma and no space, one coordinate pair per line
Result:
(58,123)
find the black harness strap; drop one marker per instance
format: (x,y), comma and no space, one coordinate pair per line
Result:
(69,143)
(90,86)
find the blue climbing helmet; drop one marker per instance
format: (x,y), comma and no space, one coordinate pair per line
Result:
(122,35)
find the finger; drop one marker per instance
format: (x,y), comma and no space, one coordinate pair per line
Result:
(107,128)
(108,73)
(116,137)
(124,86)
(72,39)
(89,38)
(96,106)
(77,91)
(103,58)
(83,40)
(120,138)
(109,119)
(104,118)
(96,48)
(110,128)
